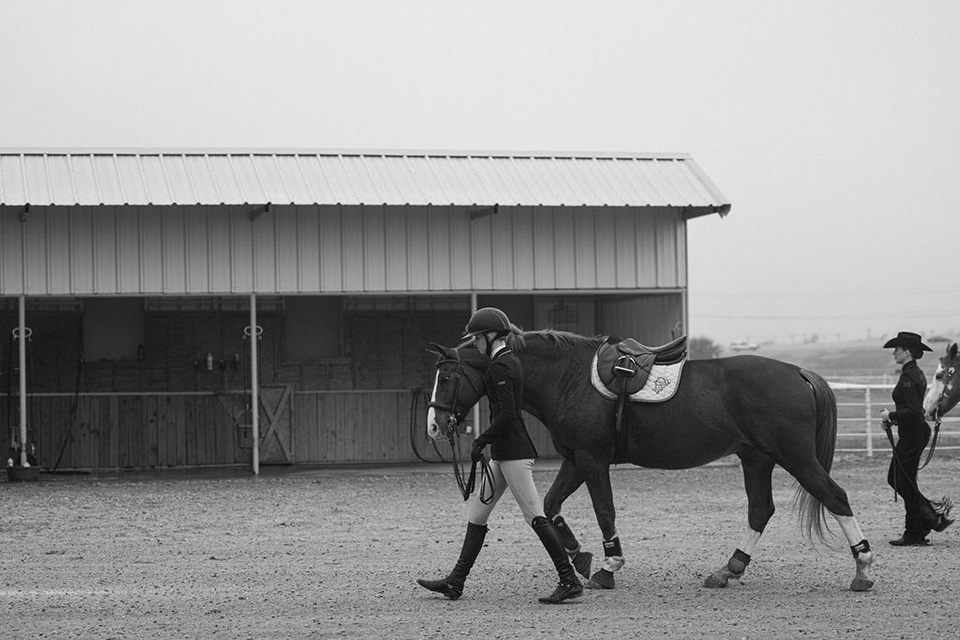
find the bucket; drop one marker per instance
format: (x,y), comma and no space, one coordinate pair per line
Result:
(23,474)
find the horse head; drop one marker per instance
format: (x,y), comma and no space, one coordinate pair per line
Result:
(458,385)
(943,394)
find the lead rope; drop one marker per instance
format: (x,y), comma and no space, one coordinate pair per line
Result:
(467,486)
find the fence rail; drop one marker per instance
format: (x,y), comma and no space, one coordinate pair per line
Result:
(858,418)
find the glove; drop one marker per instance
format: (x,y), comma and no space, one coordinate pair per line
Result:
(884,418)
(476,452)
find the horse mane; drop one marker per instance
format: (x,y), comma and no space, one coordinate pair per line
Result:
(559,339)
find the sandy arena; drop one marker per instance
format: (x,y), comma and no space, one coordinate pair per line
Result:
(335,554)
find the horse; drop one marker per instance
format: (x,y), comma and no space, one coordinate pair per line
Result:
(944,393)
(765,411)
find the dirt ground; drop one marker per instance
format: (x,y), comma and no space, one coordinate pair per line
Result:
(335,554)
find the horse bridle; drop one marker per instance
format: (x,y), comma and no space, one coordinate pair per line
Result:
(937,415)
(454,418)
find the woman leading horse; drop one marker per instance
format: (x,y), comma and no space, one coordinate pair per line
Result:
(512,453)
(766,412)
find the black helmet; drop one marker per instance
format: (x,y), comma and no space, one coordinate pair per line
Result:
(487,319)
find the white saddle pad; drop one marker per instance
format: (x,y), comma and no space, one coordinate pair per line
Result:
(661,384)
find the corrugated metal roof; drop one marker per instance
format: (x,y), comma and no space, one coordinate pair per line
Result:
(104,177)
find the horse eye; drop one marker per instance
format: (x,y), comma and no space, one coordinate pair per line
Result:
(445,377)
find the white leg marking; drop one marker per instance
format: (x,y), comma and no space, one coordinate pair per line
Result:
(851,529)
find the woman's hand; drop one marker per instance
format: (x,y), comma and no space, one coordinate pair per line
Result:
(884,417)
(476,452)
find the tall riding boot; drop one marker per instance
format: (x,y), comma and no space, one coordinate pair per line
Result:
(452,585)
(569,586)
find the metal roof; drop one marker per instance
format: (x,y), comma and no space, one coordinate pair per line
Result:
(126,177)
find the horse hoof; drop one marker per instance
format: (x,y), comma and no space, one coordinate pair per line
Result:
(714,581)
(602,579)
(582,562)
(861,584)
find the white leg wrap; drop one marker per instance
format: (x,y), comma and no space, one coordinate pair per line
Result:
(612,563)
(749,541)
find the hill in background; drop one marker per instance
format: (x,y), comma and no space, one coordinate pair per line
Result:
(848,359)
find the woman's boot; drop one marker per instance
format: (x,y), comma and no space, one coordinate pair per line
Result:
(569,586)
(452,585)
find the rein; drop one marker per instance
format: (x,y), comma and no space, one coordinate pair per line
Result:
(465,483)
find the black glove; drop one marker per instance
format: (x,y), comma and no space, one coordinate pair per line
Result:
(476,452)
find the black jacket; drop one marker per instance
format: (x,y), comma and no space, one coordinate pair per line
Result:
(506,435)
(908,397)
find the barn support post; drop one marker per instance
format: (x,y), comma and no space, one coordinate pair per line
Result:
(476,407)
(22,335)
(254,385)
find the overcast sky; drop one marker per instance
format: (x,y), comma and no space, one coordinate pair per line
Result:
(832,127)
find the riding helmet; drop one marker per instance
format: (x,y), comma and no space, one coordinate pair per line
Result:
(487,319)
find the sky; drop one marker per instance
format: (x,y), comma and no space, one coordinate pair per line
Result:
(833,128)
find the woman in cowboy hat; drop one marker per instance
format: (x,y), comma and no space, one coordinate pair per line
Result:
(922,515)
(512,454)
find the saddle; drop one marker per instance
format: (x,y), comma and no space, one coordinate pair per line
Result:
(624,365)
(625,369)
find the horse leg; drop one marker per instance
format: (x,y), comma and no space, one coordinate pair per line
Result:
(757,480)
(818,483)
(567,481)
(596,474)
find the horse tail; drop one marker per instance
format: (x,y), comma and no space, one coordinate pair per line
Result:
(811,512)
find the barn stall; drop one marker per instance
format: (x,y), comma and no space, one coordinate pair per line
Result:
(149,300)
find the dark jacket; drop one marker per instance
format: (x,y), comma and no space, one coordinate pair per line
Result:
(908,397)
(506,435)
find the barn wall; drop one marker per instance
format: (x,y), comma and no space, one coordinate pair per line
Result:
(333,249)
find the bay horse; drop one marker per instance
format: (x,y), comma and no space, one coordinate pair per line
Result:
(765,411)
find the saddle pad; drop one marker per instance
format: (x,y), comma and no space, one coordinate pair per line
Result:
(661,384)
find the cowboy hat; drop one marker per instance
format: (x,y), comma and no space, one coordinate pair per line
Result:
(907,340)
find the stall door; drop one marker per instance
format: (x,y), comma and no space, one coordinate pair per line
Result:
(276,424)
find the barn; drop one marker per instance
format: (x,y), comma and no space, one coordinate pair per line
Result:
(166,309)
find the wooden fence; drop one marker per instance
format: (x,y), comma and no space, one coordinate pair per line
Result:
(198,429)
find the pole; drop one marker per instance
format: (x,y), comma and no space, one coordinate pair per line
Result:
(254,391)
(868,410)
(23,381)
(476,407)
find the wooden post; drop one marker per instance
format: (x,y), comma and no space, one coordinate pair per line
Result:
(254,395)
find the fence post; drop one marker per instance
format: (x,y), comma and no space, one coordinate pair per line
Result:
(868,411)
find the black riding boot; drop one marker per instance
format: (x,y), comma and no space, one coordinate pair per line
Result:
(452,585)
(569,586)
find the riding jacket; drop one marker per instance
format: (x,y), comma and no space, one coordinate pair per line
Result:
(506,435)
(908,397)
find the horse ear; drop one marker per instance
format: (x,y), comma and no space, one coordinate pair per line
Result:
(435,349)
(952,350)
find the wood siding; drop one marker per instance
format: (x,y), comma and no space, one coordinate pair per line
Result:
(337,249)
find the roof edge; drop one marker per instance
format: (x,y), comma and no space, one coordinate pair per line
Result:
(665,155)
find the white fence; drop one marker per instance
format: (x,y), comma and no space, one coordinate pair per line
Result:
(858,418)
